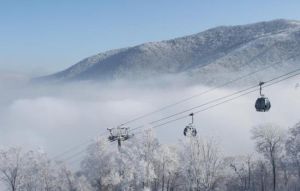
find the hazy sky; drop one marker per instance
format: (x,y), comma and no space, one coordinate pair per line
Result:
(40,37)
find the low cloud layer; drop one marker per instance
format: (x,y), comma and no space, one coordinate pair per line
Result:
(57,117)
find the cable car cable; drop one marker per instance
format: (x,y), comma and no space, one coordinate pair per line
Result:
(210,107)
(224,97)
(218,99)
(75,147)
(199,111)
(176,103)
(205,92)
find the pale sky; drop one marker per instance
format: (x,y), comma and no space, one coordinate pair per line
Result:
(41,37)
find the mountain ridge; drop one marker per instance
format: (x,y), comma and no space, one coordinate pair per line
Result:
(222,49)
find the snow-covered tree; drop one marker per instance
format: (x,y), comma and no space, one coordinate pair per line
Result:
(145,151)
(293,147)
(142,163)
(10,167)
(242,167)
(292,158)
(98,166)
(269,139)
(32,170)
(166,167)
(201,164)
(37,172)
(67,180)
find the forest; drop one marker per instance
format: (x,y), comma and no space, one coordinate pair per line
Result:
(143,163)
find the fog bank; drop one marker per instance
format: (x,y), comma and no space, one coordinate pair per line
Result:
(57,117)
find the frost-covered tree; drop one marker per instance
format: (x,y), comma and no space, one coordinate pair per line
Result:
(166,167)
(10,167)
(241,168)
(293,147)
(201,164)
(131,167)
(269,139)
(37,172)
(65,179)
(146,151)
(32,171)
(142,163)
(261,175)
(98,166)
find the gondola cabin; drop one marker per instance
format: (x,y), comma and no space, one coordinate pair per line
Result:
(189,130)
(262,104)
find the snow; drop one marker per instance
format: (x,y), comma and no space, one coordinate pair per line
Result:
(226,49)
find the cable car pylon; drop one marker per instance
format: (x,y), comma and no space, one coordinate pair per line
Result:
(119,134)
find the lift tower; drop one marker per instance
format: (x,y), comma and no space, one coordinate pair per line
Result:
(119,134)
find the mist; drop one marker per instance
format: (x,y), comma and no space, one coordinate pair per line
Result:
(56,117)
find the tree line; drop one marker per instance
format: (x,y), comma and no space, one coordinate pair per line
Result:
(193,164)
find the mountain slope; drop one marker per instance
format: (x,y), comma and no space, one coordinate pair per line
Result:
(205,56)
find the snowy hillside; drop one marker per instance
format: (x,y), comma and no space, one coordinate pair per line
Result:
(207,57)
